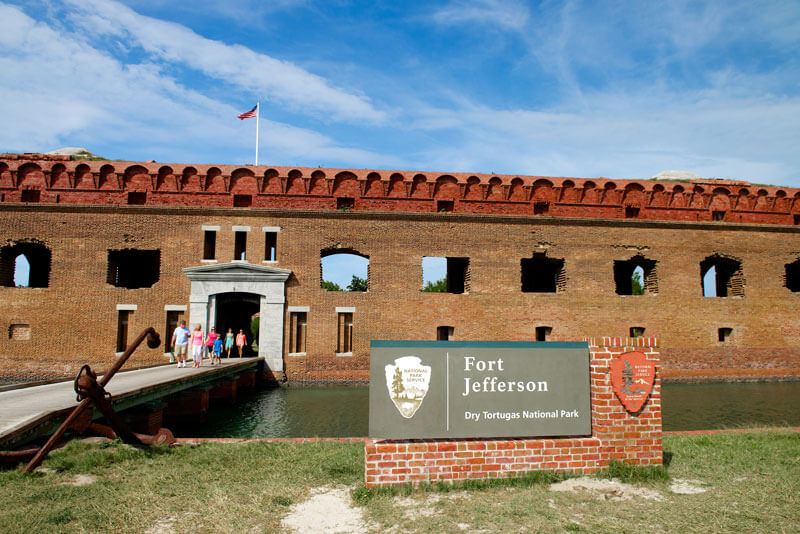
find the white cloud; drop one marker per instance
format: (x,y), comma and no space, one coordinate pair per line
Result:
(57,90)
(263,75)
(503,13)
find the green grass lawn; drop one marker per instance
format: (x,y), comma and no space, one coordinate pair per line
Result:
(751,482)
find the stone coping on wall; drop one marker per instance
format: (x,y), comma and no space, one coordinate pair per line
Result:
(39,179)
(616,435)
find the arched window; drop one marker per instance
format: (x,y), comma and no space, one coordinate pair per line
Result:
(636,276)
(721,276)
(25,264)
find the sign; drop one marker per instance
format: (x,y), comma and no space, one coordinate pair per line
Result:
(632,377)
(480,389)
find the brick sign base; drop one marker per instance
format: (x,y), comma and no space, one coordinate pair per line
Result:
(616,435)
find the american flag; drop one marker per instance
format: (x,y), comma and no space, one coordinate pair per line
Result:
(249,114)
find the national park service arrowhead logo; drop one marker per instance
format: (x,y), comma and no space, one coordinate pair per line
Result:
(632,377)
(407,381)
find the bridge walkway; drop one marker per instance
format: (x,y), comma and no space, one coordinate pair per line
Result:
(28,412)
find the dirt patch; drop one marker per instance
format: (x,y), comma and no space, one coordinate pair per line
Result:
(603,489)
(81,480)
(328,510)
(686,487)
(163,526)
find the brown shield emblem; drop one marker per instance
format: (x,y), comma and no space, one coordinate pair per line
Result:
(632,377)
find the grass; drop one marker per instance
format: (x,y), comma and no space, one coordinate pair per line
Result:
(751,479)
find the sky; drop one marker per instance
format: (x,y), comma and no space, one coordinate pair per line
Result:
(556,88)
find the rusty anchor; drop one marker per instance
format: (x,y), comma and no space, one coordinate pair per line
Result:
(91,391)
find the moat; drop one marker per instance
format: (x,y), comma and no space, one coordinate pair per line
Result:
(340,411)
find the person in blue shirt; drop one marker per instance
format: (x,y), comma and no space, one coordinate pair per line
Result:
(217,350)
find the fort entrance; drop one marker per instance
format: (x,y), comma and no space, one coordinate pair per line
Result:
(236,311)
(227,295)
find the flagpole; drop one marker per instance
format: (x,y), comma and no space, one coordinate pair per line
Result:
(258,112)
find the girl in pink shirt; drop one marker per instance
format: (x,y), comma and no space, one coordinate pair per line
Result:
(197,346)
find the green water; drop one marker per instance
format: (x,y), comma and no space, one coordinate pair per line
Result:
(344,411)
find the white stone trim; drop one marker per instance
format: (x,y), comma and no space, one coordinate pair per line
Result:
(209,261)
(238,261)
(211,227)
(269,262)
(127,307)
(275,229)
(343,354)
(299,308)
(297,354)
(175,307)
(345,309)
(240,228)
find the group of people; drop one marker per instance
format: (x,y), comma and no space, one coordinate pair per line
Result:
(213,344)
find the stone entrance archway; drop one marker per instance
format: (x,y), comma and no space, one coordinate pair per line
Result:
(268,283)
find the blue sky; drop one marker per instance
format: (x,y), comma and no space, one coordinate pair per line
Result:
(586,89)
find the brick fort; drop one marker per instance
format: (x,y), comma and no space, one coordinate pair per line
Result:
(114,247)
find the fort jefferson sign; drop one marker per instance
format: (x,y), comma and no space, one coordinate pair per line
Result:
(453,389)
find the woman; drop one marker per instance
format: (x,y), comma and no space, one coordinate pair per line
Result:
(241,340)
(197,346)
(212,335)
(228,343)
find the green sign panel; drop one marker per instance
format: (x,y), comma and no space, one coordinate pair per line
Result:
(478,389)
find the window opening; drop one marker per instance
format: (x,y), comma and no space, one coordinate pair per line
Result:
(271,246)
(724,334)
(137,197)
(636,276)
(637,331)
(123,318)
(796,219)
(242,201)
(541,274)
(19,332)
(173,318)
(133,269)
(344,343)
(345,203)
(722,276)
(240,246)
(25,265)
(209,245)
(541,208)
(717,215)
(543,332)
(444,333)
(631,212)
(344,270)
(445,275)
(22,271)
(31,195)
(793,276)
(445,206)
(297,332)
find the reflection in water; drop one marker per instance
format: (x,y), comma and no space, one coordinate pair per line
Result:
(740,405)
(344,411)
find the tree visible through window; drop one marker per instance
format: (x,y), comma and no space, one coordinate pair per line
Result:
(344,268)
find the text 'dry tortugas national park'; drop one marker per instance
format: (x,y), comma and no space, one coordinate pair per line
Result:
(114,247)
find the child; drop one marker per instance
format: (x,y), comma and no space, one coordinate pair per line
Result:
(228,343)
(217,351)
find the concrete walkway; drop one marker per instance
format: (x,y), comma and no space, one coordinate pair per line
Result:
(23,410)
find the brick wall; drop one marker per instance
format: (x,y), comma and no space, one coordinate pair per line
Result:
(74,319)
(616,435)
